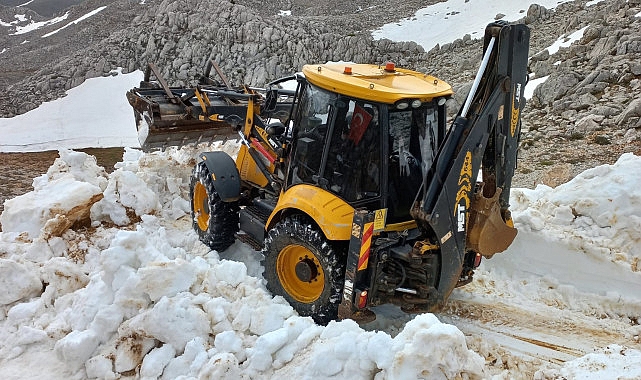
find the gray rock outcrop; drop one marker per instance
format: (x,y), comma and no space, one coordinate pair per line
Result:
(590,98)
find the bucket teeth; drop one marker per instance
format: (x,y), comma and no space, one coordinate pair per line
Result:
(151,137)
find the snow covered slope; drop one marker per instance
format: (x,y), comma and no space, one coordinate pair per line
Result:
(94,114)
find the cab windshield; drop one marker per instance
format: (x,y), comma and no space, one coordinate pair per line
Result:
(350,130)
(414,140)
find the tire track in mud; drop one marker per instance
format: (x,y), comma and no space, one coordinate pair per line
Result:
(525,338)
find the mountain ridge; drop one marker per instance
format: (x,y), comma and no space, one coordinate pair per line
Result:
(586,113)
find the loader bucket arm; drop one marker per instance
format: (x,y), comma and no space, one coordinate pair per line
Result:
(451,208)
(208,112)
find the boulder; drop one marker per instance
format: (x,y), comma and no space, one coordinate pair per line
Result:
(632,110)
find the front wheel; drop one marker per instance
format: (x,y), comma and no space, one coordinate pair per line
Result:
(303,267)
(214,221)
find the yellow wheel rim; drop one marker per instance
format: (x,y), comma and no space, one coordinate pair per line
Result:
(300,273)
(201,206)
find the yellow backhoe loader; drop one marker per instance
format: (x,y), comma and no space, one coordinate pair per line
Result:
(350,181)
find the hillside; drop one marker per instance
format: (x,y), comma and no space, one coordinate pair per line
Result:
(586,112)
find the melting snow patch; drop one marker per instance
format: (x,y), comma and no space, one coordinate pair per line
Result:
(444,22)
(532,84)
(75,21)
(565,41)
(612,362)
(35,25)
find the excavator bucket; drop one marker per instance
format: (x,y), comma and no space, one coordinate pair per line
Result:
(176,116)
(488,233)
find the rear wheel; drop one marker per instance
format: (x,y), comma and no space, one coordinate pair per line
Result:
(303,267)
(214,221)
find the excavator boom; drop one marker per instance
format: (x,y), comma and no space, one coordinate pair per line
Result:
(462,215)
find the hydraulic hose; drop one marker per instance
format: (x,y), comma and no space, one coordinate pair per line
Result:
(477,80)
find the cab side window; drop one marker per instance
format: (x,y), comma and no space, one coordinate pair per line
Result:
(413,142)
(315,111)
(353,164)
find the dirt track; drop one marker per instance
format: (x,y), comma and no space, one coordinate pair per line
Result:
(17,170)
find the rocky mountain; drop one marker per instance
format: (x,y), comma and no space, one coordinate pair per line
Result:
(587,112)
(252,46)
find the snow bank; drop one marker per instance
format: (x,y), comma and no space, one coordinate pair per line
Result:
(136,293)
(61,197)
(612,362)
(598,212)
(578,246)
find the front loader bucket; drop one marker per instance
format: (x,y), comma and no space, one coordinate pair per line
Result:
(488,233)
(207,112)
(162,123)
(176,116)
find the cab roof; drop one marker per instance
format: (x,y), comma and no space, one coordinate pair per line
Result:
(376,83)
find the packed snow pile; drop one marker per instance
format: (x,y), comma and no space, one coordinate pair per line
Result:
(136,294)
(596,212)
(61,197)
(578,246)
(612,362)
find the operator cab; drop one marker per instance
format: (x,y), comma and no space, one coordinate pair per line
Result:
(362,137)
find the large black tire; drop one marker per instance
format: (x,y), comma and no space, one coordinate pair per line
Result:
(214,221)
(306,269)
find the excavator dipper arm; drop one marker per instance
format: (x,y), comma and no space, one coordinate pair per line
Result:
(451,209)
